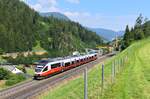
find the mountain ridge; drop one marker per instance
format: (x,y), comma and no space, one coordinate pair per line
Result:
(108,34)
(57,15)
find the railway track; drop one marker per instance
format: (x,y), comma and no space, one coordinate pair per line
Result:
(34,87)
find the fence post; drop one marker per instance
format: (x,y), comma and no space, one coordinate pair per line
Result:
(102,75)
(112,72)
(126,58)
(119,64)
(85,83)
(123,62)
(114,68)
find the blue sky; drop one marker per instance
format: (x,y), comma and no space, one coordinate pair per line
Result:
(109,14)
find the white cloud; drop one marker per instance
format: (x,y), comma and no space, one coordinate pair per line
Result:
(53,9)
(37,7)
(47,3)
(76,14)
(74,1)
(71,14)
(104,21)
(45,6)
(85,18)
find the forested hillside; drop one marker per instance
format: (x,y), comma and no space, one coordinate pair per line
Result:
(18,26)
(140,31)
(22,28)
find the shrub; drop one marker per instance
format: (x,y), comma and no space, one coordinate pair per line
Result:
(14,79)
(4,74)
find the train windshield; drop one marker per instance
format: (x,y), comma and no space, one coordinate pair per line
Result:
(38,69)
(43,62)
(41,65)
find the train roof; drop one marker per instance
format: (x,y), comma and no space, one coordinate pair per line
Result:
(64,59)
(55,62)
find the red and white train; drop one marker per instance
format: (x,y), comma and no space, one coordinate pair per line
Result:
(47,68)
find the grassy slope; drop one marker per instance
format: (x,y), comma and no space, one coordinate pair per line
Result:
(2,84)
(133,82)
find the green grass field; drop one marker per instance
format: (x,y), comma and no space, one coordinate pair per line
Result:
(2,84)
(132,82)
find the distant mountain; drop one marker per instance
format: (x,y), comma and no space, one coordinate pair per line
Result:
(56,15)
(107,34)
(120,33)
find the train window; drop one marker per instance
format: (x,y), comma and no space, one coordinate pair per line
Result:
(45,69)
(55,65)
(67,64)
(73,62)
(38,70)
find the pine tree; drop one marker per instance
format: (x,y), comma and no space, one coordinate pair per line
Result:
(127,37)
(139,34)
(139,21)
(146,28)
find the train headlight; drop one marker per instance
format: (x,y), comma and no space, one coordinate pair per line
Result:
(37,75)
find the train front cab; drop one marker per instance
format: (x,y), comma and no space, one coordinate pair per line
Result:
(49,70)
